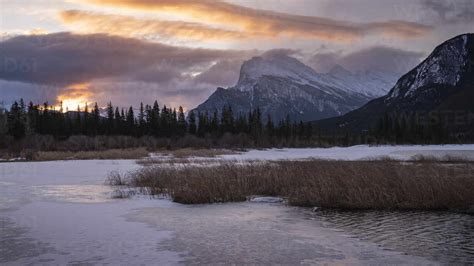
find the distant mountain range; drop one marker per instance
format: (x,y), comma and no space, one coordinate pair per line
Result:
(281,85)
(441,86)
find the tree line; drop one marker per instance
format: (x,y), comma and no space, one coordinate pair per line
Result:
(219,128)
(150,120)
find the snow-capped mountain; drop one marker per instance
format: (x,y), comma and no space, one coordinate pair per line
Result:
(443,82)
(370,83)
(445,66)
(281,85)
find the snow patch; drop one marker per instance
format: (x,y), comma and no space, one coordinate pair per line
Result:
(266,200)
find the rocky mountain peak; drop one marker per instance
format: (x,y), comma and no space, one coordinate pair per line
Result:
(446,66)
(275,65)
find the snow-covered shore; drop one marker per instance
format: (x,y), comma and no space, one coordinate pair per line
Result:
(361,152)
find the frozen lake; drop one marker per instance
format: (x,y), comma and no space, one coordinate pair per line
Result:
(62,213)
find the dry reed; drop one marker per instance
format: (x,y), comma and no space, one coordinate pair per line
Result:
(335,184)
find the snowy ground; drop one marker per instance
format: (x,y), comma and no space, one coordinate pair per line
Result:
(361,152)
(62,213)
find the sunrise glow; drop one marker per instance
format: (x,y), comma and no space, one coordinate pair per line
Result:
(75,96)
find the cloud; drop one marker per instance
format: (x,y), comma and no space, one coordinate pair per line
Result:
(451,12)
(225,73)
(280,52)
(77,68)
(11,91)
(186,93)
(66,58)
(269,23)
(376,58)
(90,22)
(122,94)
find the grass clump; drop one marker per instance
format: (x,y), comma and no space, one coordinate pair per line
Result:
(331,184)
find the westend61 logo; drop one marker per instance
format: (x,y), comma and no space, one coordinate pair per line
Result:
(15,65)
(433,118)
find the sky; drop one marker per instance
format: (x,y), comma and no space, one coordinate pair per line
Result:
(179,51)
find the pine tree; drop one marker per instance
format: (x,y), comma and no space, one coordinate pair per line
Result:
(270,128)
(123,123)
(227,120)
(110,118)
(3,122)
(86,122)
(214,126)
(173,123)
(117,122)
(16,127)
(155,119)
(130,121)
(148,120)
(141,120)
(192,123)
(181,130)
(78,123)
(203,127)
(95,120)
(164,122)
(32,119)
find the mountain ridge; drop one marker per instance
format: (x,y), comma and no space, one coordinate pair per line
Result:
(435,85)
(281,85)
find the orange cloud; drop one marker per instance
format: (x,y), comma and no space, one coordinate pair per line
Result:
(74,96)
(398,28)
(269,23)
(90,22)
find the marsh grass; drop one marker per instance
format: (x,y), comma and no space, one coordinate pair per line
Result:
(444,159)
(331,184)
(114,178)
(89,155)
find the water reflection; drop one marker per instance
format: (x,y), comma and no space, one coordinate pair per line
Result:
(442,236)
(75,193)
(14,244)
(260,234)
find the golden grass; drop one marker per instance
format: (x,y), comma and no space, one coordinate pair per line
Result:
(89,155)
(333,184)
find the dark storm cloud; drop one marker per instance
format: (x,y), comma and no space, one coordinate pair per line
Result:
(378,58)
(66,58)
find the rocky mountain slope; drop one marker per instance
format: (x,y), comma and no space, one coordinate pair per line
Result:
(281,85)
(441,85)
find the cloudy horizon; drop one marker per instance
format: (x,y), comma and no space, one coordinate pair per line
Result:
(180,51)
